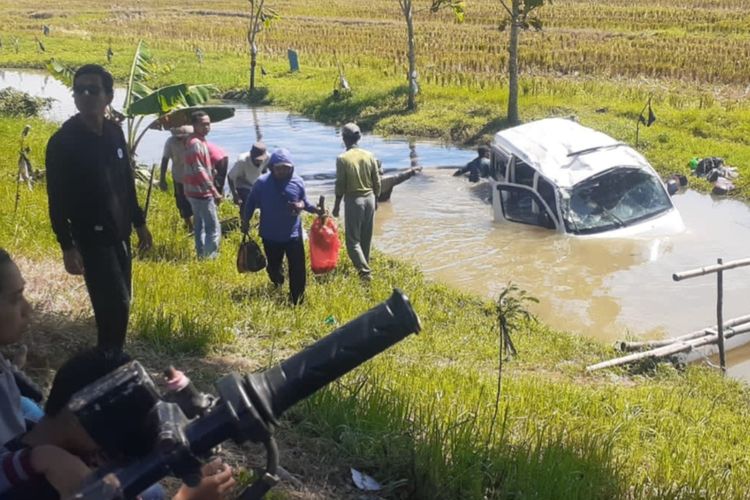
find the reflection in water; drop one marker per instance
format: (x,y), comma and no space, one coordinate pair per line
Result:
(256,124)
(605,288)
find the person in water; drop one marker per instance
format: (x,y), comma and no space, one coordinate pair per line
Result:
(478,167)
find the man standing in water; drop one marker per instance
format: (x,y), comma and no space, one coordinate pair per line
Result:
(93,204)
(200,189)
(358,183)
(478,167)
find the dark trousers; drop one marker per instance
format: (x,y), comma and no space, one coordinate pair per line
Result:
(295,257)
(107,272)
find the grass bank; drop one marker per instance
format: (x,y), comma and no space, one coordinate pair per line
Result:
(423,418)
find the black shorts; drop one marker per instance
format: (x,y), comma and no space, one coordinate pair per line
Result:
(183,205)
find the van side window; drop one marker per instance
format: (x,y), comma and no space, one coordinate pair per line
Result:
(523,174)
(521,204)
(499,165)
(547,193)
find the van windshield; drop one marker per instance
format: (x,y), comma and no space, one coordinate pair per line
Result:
(615,198)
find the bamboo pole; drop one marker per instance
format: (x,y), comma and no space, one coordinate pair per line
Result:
(720,315)
(651,344)
(710,269)
(668,350)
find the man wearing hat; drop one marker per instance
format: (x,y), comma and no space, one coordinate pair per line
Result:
(280,196)
(358,183)
(246,171)
(174,150)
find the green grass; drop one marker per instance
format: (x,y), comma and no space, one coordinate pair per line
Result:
(421,417)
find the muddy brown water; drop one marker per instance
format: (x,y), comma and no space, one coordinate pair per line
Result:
(608,289)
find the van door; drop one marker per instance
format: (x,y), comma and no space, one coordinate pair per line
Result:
(522,204)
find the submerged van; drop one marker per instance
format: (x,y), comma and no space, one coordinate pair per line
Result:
(560,175)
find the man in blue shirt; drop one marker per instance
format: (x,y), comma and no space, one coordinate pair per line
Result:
(280,196)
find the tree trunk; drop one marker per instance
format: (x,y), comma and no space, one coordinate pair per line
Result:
(412,76)
(513,118)
(253,62)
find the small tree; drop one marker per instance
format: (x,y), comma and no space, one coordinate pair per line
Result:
(511,313)
(407,10)
(260,17)
(520,16)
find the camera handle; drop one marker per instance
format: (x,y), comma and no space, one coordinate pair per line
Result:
(248,407)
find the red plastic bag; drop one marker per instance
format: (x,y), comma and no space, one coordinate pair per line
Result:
(324,245)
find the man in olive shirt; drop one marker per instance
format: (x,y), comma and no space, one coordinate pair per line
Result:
(358,183)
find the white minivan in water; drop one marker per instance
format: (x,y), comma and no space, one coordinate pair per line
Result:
(557,174)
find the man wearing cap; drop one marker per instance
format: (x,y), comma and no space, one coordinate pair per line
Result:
(358,183)
(246,171)
(174,150)
(280,196)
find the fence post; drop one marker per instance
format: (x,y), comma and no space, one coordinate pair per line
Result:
(720,315)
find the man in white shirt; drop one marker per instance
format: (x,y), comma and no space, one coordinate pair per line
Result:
(174,149)
(246,171)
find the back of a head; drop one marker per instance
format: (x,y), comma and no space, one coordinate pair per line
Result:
(84,368)
(351,133)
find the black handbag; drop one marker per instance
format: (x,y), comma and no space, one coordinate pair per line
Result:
(250,257)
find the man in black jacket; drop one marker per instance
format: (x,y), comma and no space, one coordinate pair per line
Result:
(93,205)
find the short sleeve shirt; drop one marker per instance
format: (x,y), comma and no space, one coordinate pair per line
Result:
(244,173)
(174,148)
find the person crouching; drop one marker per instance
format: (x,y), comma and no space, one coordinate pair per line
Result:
(280,196)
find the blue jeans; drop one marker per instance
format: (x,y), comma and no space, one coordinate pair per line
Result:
(207,228)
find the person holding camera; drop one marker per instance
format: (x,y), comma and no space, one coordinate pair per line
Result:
(55,458)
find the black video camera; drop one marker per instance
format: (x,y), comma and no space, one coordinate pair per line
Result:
(127,416)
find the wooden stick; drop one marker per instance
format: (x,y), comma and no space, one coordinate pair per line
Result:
(710,269)
(650,344)
(669,350)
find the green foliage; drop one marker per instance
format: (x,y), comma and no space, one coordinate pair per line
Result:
(61,72)
(166,99)
(18,103)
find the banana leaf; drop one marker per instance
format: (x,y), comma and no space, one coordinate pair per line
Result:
(140,70)
(61,72)
(182,116)
(166,99)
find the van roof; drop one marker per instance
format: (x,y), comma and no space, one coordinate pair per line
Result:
(566,152)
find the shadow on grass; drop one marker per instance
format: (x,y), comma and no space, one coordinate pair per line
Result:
(486,133)
(367,111)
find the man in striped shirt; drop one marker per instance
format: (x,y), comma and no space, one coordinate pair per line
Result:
(200,189)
